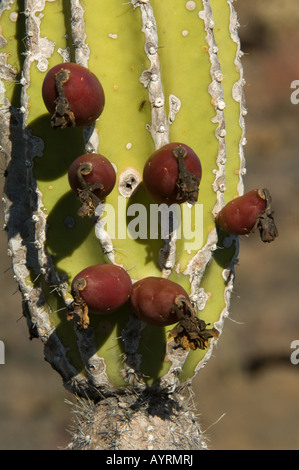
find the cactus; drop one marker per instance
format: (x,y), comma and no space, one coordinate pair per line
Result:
(171,72)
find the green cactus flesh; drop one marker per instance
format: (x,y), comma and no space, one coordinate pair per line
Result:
(201,79)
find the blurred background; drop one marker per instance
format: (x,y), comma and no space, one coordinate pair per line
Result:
(247,395)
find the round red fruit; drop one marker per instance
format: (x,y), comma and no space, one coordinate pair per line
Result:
(245,213)
(73,95)
(94,172)
(154,301)
(239,215)
(103,288)
(173,174)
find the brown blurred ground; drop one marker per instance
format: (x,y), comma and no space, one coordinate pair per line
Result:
(250,378)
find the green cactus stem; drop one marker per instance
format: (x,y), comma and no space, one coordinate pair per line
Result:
(171,71)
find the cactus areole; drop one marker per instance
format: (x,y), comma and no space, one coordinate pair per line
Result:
(172,132)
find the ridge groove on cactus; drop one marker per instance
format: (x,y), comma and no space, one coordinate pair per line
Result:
(168,72)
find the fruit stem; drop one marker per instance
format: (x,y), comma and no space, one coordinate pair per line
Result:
(187,183)
(62,116)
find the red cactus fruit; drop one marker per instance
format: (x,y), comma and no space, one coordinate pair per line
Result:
(172,174)
(73,95)
(154,300)
(92,177)
(245,213)
(99,289)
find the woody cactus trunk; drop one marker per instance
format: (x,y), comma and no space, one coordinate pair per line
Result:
(171,72)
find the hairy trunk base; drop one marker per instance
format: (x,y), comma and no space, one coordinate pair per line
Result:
(151,420)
